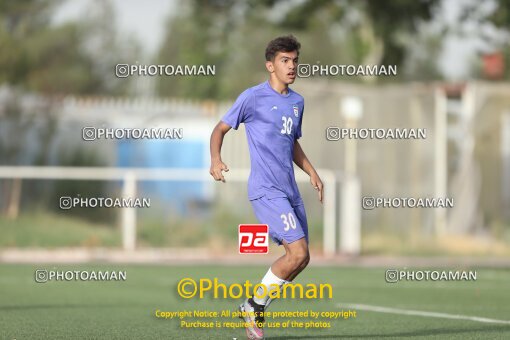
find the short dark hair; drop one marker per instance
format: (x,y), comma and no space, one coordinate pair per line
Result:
(286,43)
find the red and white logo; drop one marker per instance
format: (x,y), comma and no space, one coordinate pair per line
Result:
(253,239)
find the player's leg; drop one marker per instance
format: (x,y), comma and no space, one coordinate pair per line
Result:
(290,250)
(294,261)
(287,226)
(299,250)
(284,228)
(300,212)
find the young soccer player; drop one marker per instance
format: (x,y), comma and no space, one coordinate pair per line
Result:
(272,114)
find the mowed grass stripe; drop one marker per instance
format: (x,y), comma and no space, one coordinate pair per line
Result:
(390,310)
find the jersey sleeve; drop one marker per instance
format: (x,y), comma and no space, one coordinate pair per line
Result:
(298,130)
(241,111)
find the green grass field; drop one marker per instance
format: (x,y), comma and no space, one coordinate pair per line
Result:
(125,310)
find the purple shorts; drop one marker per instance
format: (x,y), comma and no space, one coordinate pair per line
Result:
(285,220)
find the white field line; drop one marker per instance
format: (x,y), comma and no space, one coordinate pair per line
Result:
(389,310)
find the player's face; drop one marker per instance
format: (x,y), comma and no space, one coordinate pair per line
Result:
(284,66)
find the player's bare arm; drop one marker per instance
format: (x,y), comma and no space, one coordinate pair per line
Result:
(302,161)
(217,165)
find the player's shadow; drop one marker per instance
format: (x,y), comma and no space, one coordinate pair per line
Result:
(423,332)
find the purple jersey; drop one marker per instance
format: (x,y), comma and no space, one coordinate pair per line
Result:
(273,123)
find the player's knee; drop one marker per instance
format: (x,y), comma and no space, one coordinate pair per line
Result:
(300,259)
(306,261)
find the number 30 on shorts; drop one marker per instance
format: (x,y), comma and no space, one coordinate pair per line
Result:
(289,220)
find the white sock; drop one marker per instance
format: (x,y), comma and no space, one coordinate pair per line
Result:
(268,302)
(269,281)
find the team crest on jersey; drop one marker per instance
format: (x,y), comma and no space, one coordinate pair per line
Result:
(296,110)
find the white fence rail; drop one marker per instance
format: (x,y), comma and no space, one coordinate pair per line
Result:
(130,177)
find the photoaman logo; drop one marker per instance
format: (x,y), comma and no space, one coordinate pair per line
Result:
(188,288)
(253,239)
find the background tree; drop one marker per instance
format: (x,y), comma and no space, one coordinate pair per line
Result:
(230,35)
(492,22)
(197,36)
(50,59)
(40,62)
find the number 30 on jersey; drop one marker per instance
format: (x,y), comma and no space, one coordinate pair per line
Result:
(287,125)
